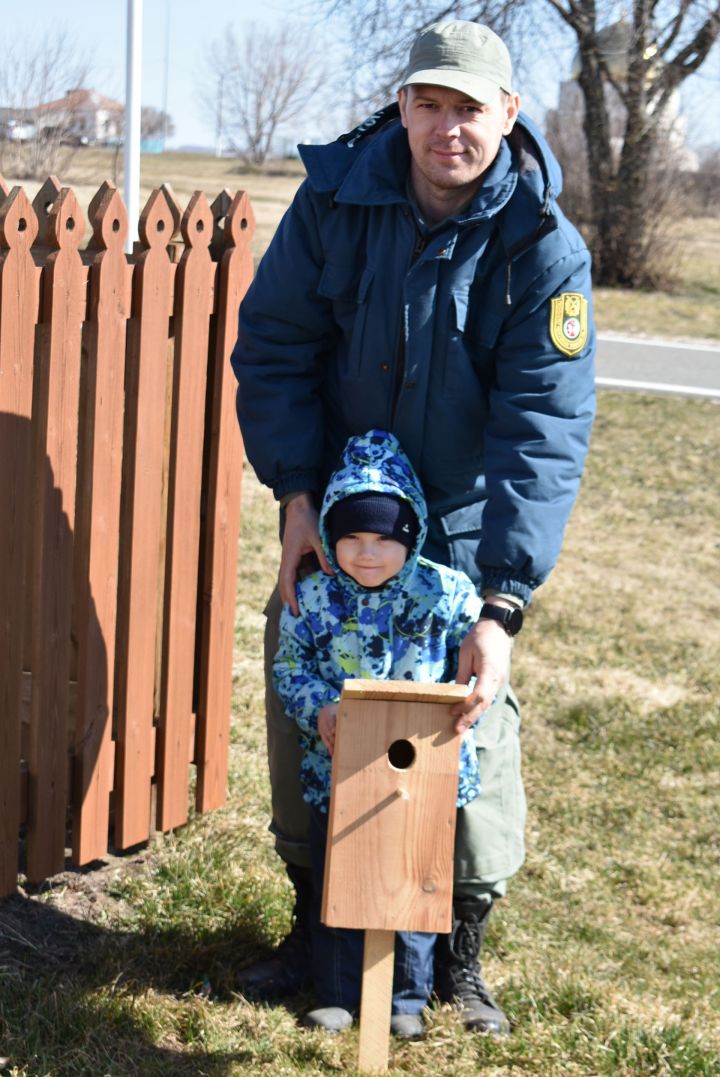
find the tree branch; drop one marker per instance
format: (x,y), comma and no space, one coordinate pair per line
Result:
(687,61)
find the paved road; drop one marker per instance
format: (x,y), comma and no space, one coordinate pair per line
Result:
(658,366)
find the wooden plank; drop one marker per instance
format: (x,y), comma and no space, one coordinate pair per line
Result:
(98,523)
(24,784)
(392,814)
(140,524)
(376,1001)
(19,281)
(55,411)
(42,205)
(222,524)
(23,792)
(409,691)
(26,707)
(193,304)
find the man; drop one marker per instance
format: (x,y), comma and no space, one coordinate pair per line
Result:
(425,281)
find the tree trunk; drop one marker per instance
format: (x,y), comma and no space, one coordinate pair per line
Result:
(636,209)
(604,240)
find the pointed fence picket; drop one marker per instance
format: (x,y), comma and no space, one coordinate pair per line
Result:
(119,518)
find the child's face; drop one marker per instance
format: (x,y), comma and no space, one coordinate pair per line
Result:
(369,558)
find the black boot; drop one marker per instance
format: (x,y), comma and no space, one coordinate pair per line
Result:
(289,970)
(457,969)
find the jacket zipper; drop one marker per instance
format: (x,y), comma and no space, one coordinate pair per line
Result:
(421,242)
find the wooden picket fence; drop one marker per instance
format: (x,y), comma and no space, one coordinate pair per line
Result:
(119,517)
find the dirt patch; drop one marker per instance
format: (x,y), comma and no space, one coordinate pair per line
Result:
(56,922)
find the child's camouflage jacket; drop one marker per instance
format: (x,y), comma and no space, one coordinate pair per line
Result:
(411,628)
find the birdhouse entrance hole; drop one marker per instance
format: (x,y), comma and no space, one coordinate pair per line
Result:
(401,755)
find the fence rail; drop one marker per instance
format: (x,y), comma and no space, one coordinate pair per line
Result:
(119,517)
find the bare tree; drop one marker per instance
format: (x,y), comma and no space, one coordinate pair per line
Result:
(255,84)
(154,123)
(665,183)
(34,75)
(379,34)
(664,42)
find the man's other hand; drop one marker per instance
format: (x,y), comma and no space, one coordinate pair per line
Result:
(484,654)
(300,537)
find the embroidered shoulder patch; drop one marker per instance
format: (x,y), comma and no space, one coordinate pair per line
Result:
(569,322)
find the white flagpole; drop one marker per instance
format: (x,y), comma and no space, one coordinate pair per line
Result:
(132,118)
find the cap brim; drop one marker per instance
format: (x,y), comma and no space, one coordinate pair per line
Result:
(482,90)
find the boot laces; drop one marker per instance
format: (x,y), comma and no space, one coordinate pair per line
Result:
(467,983)
(467,941)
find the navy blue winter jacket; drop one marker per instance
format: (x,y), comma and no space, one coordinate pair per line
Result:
(472,343)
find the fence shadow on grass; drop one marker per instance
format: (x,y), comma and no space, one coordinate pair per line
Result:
(76,997)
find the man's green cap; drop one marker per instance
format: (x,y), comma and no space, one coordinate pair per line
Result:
(464,56)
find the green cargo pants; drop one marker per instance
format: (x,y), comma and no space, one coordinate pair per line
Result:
(489,839)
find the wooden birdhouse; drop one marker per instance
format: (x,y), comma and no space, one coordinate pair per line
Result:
(391,829)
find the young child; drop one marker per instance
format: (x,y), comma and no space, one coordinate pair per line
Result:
(386,614)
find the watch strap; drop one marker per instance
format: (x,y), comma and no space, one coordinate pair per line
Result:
(510,619)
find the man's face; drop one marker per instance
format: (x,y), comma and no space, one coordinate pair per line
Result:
(453,139)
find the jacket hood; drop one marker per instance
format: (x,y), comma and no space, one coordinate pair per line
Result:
(375,463)
(370,165)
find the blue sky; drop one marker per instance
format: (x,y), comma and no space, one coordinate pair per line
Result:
(98,28)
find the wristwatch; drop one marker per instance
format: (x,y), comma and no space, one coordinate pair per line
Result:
(511,620)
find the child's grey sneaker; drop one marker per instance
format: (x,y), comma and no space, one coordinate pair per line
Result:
(330,1018)
(407,1026)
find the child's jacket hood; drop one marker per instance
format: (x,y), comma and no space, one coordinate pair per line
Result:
(375,463)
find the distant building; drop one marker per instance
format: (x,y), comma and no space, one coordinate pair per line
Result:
(82,116)
(16,125)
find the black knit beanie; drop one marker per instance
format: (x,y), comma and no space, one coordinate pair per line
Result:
(381,514)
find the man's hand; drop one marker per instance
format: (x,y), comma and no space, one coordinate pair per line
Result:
(484,653)
(300,537)
(327,723)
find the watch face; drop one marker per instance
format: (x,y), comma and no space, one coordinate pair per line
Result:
(514,622)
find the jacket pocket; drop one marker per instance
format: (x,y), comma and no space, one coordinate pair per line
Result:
(465,372)
(462,529)
(348,288)
(454,347)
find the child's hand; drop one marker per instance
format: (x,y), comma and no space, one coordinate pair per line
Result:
(327,721)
